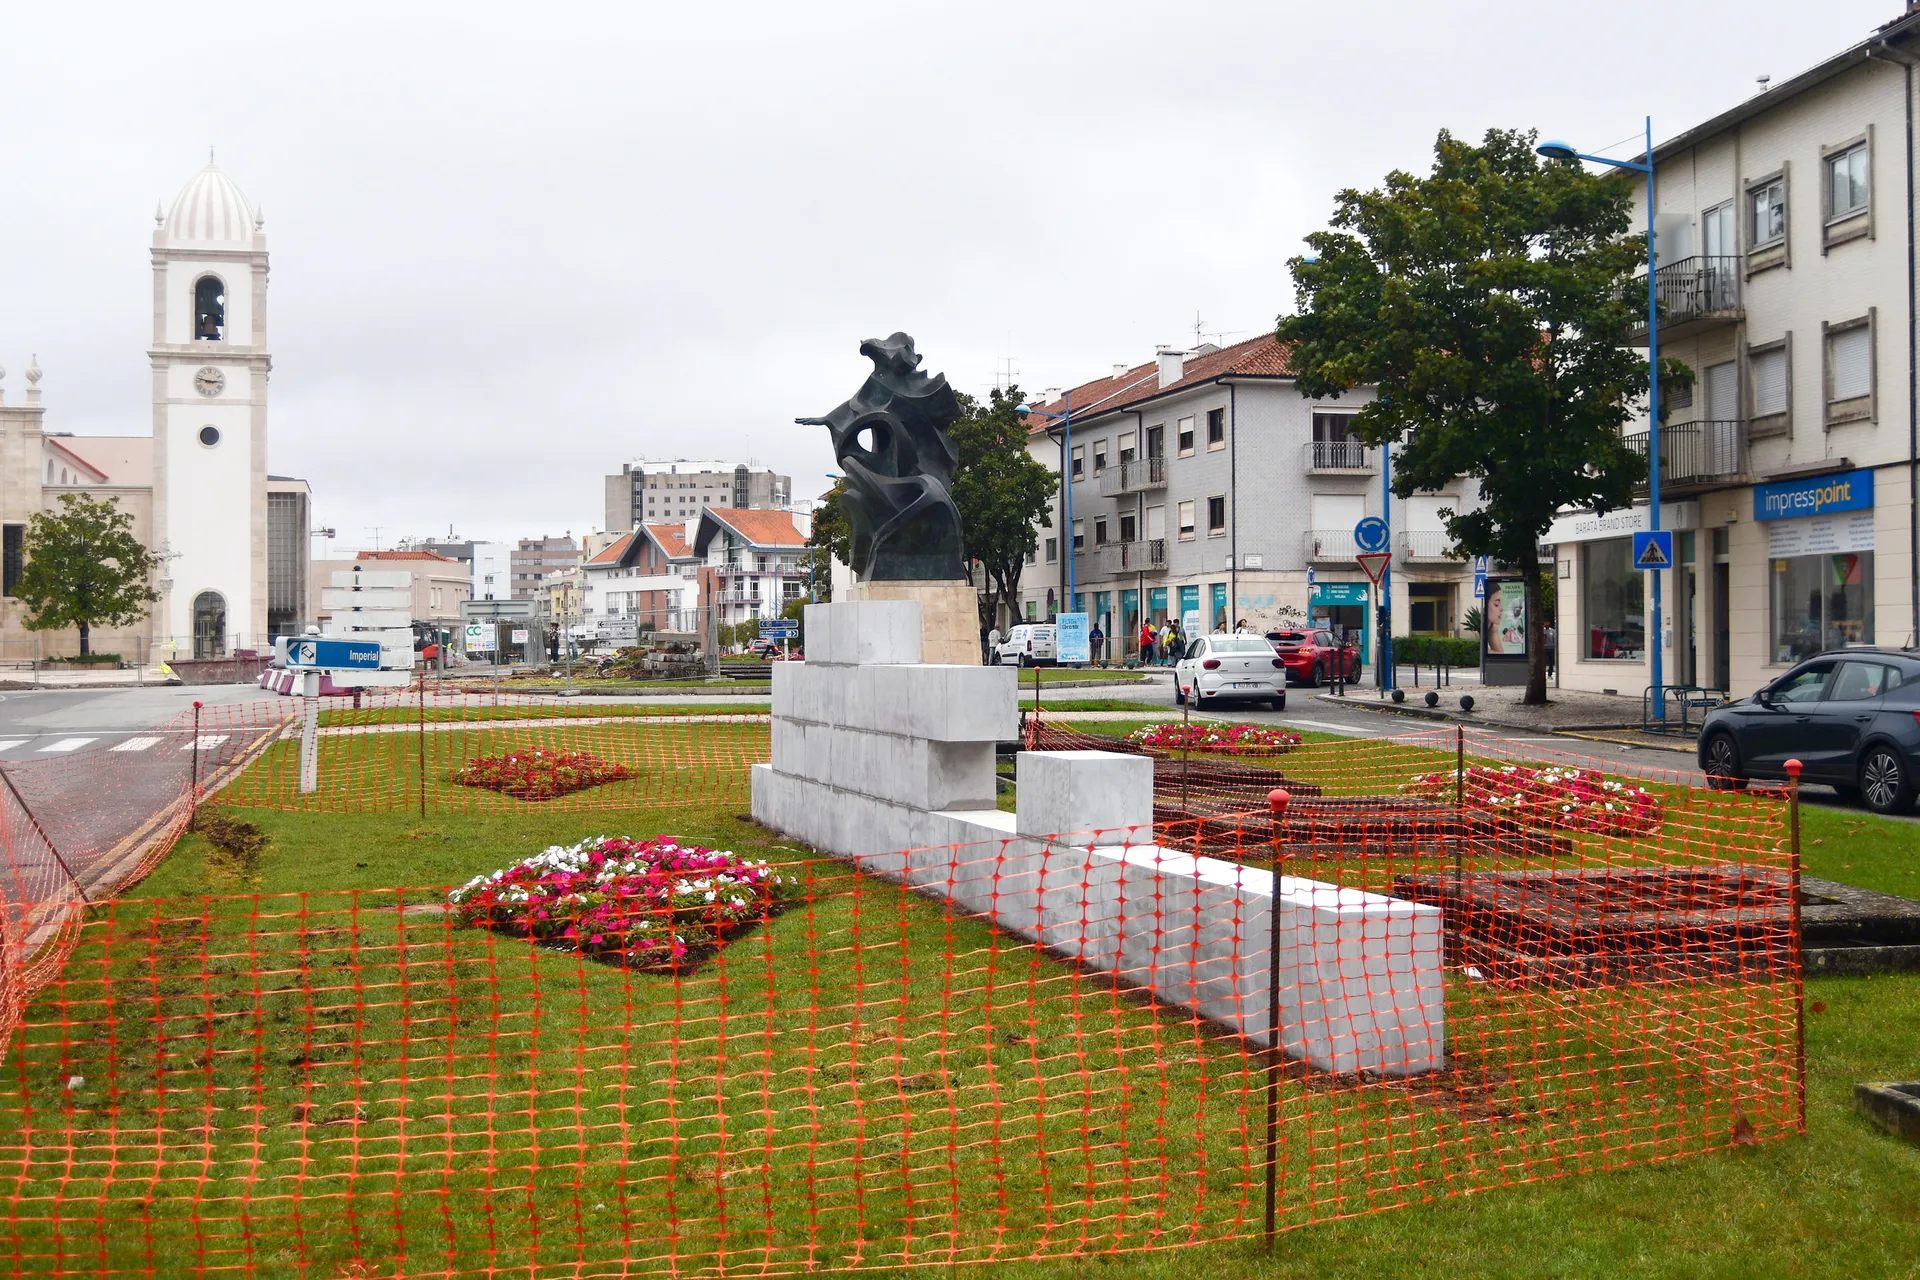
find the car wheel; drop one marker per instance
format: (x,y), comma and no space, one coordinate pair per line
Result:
(1723,764)
(1884,784)
(1316,676)
(1279,703)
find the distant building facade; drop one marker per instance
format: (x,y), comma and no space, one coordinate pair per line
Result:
(757,560)
(677,491)
(440,584)
(535,558)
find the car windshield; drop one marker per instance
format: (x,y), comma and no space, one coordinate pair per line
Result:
(1240,644)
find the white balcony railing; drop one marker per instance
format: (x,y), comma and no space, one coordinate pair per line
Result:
(1336,455)
(1326,545)
(1426,544)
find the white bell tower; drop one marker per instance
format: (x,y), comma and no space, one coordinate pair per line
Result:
(210,366)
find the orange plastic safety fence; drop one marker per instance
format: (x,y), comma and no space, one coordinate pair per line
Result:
(1487,971)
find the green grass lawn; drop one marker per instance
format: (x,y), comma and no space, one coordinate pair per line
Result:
(339,717)
(280,1068)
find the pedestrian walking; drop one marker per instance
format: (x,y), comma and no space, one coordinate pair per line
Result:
(1551,641)
(1146,643)
(993,643)
(1097,645)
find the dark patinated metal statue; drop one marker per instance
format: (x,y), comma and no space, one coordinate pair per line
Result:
(891,440)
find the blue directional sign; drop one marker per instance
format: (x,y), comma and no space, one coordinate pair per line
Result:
(1653,550)
(339,655)
(779,629)
(1372,534)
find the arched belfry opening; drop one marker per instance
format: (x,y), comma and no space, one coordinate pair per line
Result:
(209,625)
(209,309)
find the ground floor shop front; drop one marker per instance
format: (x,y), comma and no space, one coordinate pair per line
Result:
(1763,576)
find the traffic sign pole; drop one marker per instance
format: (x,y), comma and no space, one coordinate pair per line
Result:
(310,733)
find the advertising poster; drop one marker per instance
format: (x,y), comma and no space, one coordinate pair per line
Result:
(1506,618)
(1070,637)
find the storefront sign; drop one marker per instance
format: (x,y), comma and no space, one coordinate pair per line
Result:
(1586,527)
(1337,593)
(1814,496)
(1820,535)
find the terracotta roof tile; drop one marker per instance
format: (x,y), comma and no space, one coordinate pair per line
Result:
(1261,357)
(672,539)
(406,555)
(761,528)
(612,552)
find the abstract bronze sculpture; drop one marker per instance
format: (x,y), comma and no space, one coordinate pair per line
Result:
(891,440)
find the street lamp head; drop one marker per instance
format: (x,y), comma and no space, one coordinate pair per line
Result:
(1557,149)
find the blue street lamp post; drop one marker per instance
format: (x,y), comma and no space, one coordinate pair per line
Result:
(1065,419)
(1554,149)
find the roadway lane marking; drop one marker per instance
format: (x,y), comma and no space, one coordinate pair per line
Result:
(67,744)
(205,741)
(1355,730)
(136,744)
(11,743)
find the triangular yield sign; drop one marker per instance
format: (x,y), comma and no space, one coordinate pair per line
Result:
(1374,563)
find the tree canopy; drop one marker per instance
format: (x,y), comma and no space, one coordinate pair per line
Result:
(84,569)
(1003,494)
(1488,303)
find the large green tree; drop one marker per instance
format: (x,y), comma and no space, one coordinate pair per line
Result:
(1002,492)
(1488,302)
(84,569)
(830,540)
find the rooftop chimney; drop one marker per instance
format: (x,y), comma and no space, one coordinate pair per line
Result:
(1120,370)
(1764,81)
(1172,364)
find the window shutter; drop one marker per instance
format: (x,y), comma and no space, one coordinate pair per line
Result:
(1851,352)
(1769,383)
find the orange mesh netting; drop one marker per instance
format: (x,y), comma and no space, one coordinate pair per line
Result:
(865,1071)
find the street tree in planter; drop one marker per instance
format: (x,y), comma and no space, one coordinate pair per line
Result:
(1488,302)
(84,568)
(1004,496)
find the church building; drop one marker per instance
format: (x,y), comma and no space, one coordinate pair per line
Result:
(232,540)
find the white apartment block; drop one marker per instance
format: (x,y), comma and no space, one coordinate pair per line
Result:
(1785,244)
(1206,488)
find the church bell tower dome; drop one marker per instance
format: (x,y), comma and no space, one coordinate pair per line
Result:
(209,211)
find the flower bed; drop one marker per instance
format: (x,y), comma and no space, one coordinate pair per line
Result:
(1561,799)
(539,775)
(1219,739)
(645,903)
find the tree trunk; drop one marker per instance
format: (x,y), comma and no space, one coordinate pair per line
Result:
(1536,644)
(83,640)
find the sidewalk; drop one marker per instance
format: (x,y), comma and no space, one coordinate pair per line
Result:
(61,677)
(1500,706)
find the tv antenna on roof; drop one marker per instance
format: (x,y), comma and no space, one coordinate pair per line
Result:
(1201,334)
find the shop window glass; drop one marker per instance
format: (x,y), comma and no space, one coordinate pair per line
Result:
(1613,594)
(1821,602)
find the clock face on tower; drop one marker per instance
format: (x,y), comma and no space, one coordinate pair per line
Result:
(209,381)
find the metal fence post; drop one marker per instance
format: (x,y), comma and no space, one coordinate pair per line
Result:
(423,748)
(1799,953)
(194,794)
(1277,804)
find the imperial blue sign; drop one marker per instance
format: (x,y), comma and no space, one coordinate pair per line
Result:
(349,655)
(1815,496)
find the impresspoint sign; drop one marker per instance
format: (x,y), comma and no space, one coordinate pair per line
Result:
(1814,496)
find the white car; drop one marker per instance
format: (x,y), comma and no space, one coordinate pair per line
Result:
(1027,645)
(1230,667)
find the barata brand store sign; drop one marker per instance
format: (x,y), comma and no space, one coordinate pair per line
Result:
(1587,527)
(1821,515)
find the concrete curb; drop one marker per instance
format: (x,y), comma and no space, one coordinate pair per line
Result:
(1453,717)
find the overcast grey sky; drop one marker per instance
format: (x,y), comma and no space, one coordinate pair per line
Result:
(515,246)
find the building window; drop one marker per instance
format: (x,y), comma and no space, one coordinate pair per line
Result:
(1079,461)
(1216,515)
(1157,441)
(14,559)
(1079,535)
(1053,550)
(1333,446)
(1821,602)
(1186,520)
(1770,383)
(1615,608)
(1769,217)
(1847,182)
(1216,428)
(1129,528)
(1099,533)
(1850,371)
(1126,447)
(209,309)
(1185,440)
(1099,456)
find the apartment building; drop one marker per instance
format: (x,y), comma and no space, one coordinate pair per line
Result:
(534,558)
(440,583)
(1205,487)
(648,578)
(1785,272)
(757,560)
(678,490)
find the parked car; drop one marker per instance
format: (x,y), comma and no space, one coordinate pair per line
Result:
(1314,657)
(1027,645)
(1851,717)
(1239,667)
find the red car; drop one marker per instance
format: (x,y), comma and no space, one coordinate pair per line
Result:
(1313,657)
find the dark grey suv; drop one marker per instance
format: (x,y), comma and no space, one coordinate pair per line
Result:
(1851,717)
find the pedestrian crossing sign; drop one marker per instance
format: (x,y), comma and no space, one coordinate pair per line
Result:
(1653,550)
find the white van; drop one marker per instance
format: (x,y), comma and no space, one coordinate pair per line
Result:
(1027,645)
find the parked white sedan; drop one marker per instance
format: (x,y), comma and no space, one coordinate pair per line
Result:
(1230,667)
